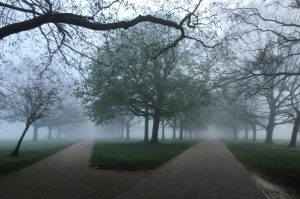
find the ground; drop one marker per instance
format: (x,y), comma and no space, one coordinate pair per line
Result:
(129,156)
(205,170)
(30,152)
(277,162)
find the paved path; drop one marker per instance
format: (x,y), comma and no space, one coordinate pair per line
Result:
(205,171)
(63,172)
(66,175)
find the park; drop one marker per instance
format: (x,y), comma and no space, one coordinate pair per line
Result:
(149,99)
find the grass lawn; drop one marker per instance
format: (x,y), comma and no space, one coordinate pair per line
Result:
(135,155)
(30,152)
(280,163)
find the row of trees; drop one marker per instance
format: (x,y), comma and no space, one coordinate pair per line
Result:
(181,129)
(127,79)
(140,71)
(263,100)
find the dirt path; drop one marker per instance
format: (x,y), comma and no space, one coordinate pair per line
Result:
(207,170)
(66,175)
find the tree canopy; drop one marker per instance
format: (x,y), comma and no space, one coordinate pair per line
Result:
(126,75)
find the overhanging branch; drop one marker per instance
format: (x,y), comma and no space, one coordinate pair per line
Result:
(82,21)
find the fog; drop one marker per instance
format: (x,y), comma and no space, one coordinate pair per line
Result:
(89,130)
(83,130)
(202,69)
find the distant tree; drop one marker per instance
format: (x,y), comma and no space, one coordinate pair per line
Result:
(240,106)
(173,124)
(29,103)
(66,112)
(126,119)
(163,129)
(36,125)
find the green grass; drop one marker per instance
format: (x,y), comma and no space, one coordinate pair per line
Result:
(135,155)
(30,152)
(278,162)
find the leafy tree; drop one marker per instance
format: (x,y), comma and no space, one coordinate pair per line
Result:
(128,74)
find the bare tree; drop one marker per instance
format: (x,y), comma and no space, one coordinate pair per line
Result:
(29,103)
(293,88)
(270,90)
(277,20)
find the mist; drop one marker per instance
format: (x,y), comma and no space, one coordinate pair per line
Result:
(150,99)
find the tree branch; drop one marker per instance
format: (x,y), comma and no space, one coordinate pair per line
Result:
(82,21)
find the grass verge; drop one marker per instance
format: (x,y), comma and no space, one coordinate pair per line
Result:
(30,152)
(135,155)
(278,162)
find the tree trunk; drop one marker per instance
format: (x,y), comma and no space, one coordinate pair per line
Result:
(293,141)
(117,132)
(122,132)
(35,133)
(146,133)
(49,133)
(246,132)
(269,137)
(271,124)
(270,129)
(254,132)
(174,129)
(15,152)
(163,129)
(185,134)
(59,132)
(235,132)
(181,130)
(154,137)
(127,132)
